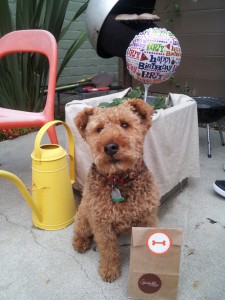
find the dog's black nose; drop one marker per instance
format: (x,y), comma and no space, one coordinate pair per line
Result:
(111,149)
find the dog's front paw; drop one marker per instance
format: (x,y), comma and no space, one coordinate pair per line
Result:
(81,244)
(108,273)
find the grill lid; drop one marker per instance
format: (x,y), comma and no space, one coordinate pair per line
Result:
(96,13)
(110,37)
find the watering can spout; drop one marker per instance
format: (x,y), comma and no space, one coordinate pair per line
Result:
(23,190)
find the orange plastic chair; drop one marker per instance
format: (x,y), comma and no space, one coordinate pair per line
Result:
(43,42)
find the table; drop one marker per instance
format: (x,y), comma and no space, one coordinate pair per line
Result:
(171,148)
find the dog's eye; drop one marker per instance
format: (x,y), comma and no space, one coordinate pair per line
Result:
(99,129)
(124,125)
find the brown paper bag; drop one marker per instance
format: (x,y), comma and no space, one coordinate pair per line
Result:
(154,263)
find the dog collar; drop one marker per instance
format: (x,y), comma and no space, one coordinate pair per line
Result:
(120,181)
(116,181)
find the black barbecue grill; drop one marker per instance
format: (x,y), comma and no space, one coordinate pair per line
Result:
(211,110)
(111,37)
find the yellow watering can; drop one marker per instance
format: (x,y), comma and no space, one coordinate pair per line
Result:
(52,202)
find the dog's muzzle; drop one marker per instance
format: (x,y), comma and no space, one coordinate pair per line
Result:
(111,149)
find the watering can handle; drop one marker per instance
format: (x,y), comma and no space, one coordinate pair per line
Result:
(39,136)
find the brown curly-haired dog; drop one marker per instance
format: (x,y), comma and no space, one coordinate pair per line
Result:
(119,192)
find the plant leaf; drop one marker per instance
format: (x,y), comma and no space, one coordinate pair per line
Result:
(6,24)
(77,14)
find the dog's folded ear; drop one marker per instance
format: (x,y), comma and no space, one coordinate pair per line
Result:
(81,120)
(143,110)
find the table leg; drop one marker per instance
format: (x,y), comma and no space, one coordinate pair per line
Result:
(208,140)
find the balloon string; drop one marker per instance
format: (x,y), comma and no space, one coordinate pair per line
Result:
(146,86)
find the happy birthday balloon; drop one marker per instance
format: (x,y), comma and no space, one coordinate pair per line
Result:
(153,56)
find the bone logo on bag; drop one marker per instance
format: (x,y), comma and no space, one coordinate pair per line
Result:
(159,243)
(149,283)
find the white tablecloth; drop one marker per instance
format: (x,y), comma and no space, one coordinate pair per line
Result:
(171,148)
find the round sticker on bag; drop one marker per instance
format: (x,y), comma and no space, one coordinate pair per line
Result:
(159,243)
(149,283)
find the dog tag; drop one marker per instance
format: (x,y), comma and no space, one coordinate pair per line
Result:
(116,195)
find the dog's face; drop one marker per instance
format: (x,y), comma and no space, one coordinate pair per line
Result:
(115,135)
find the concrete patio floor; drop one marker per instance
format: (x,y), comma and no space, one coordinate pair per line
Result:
(37,264)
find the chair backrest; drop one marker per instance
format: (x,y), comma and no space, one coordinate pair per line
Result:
(34,40)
